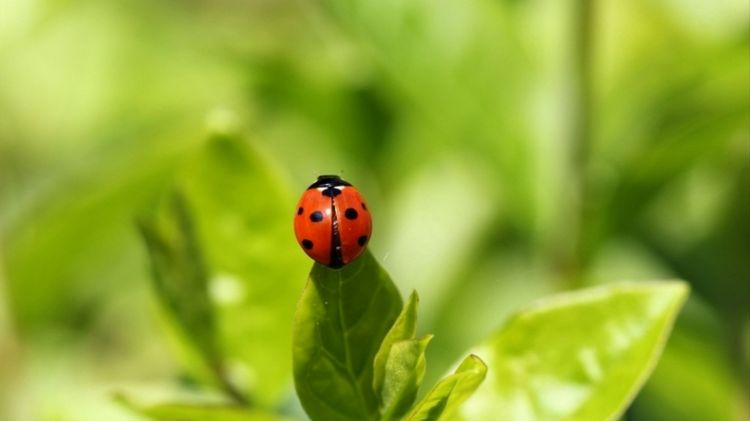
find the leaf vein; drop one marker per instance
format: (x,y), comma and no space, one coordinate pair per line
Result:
(368,306)
(347,351)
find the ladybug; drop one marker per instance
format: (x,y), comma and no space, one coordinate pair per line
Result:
(333,224)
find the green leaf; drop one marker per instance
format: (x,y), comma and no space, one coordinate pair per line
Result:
(243,219)
(196,412)
(443,400)
(180,280)
(405,327)
(67,290)
(578,356)
(179,274)
(404,373)
(341,320)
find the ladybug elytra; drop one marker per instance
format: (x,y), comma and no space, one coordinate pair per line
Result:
(332,224)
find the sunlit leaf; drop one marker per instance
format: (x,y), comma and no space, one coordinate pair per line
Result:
(448,395)
(404,373)
(579,356)
(243,216)
(341,320)
(405,327)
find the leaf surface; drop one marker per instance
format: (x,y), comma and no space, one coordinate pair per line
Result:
(341,320)
(449,393)
(243,219)
(578,356)
(179,274)
(404,373)
(405,327)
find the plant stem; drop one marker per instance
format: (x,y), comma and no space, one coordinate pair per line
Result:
(228,387)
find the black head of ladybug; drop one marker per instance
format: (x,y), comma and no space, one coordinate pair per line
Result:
(327,184)
(328,181)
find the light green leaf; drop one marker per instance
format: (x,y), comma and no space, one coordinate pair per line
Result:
(179,274)
(197,412)
(243,215)
(578,356)
(405,327)
(404,373)
(91,208)
(443,400)
(341,320)
(180,280)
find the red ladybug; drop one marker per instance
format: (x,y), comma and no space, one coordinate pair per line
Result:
(332,224)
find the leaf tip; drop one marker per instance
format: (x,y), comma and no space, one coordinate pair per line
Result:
(426,339)
(675,290)
(474,358)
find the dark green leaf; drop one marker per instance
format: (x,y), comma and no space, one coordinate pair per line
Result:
(405,327)
(578,356)
(404,373)
(341,320)
(443,400)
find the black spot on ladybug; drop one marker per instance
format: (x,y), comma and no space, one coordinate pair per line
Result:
(316,216)
(364,206)
(299,211)
(362,240)
(331,192)
(307,244)
(351,213)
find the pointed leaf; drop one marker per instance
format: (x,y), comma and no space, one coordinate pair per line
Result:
(405,327)
(341,320)
(404,373)
(179,274)
(579,356)
(443,400)
(254,264)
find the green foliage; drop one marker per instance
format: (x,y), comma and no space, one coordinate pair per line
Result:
(180,276)
(509,150)
(583,355)
(341,320)
(404,372)
(255,263)
(356,359)
(197,412)
(227,300)
(405,327)
(444,399)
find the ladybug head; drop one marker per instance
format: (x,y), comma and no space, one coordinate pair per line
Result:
(328,181)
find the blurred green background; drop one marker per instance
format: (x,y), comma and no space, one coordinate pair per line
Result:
(509,149)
